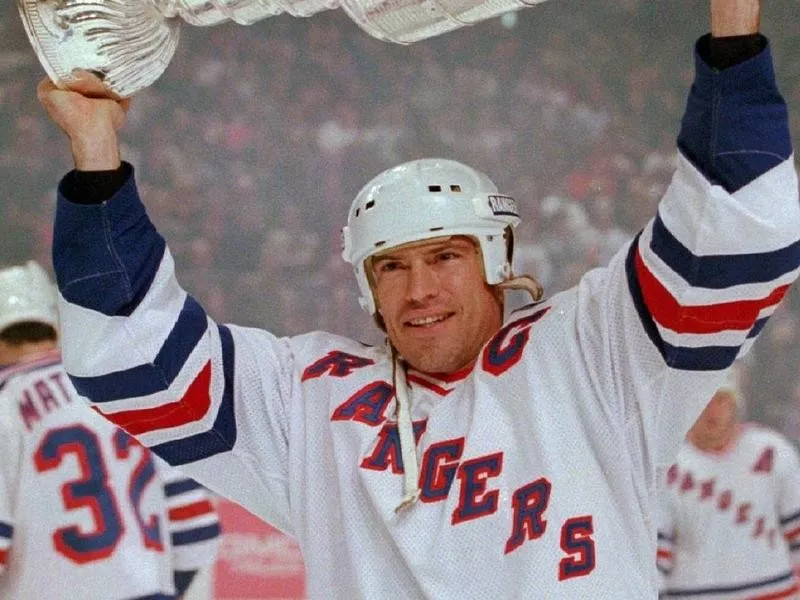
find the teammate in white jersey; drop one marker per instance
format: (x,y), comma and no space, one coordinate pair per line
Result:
(85,510)
(730,523)
(469,458)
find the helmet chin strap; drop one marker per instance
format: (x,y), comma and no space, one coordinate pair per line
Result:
(405,429)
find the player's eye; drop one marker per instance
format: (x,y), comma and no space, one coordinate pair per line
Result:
(447,255)
(388,266)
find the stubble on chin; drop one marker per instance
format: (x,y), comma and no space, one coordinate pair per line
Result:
(435,358)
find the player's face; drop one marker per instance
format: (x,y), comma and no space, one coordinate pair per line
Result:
(715,425)
(437,308)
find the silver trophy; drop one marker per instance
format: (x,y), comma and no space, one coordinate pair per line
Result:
(129,43)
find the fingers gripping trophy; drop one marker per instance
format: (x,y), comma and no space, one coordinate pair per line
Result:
(129,43)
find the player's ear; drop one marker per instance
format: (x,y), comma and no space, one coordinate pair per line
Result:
(499,293)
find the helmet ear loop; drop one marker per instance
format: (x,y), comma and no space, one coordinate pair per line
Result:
(526,283)
(518,282)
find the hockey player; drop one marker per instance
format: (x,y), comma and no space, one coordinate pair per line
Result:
(85,510)
(470,458)
(730,523)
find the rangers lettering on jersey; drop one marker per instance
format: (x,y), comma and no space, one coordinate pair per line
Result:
(443,462)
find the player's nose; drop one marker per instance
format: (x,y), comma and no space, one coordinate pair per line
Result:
(422,283)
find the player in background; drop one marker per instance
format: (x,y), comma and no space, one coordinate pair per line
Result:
(730,521)
(85,510)
(469,458)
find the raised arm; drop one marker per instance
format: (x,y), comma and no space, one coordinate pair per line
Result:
(735,17)
(143,351)
(701,280)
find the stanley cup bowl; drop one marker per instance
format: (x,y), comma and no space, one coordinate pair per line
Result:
(127,43)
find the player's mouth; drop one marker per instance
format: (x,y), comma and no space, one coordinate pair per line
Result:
(427,322)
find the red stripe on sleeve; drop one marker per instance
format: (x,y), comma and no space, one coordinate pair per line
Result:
(190,511)
(191,407)
(790,535)
(714,318)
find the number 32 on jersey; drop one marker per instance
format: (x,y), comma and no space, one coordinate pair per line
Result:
(92,491)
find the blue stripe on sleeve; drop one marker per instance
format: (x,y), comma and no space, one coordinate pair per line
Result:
(176,488)
(706,358)
(106,255)
(6,530)
(199,534)
(146,379)
(721,271)
(757,327)
(638,300)
(786,520)
(736,125)
(222,436)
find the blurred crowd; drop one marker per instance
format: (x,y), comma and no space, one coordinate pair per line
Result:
(251,146)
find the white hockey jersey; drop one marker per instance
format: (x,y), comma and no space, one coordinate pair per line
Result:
(730,522)
(538,465)
(85,510)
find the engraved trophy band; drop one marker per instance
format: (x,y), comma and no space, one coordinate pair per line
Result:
(129,43)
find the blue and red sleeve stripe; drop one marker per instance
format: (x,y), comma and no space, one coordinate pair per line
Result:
(734,131)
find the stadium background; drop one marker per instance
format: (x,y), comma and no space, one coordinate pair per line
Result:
(251,146)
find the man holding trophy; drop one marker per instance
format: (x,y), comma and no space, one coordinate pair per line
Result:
(469,457)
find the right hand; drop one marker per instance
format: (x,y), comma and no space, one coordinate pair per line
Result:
(90,115)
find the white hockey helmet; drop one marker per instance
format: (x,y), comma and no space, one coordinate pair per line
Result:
(27,294)
(424,199)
